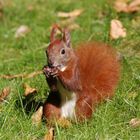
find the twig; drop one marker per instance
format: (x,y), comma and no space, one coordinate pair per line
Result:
(22,75)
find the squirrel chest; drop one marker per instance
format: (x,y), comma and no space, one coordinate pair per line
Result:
(68,102)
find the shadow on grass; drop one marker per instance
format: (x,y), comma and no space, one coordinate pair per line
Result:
(28,103)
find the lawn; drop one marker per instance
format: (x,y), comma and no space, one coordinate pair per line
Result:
(25,55)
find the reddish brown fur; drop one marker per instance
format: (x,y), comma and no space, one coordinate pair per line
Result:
(99,69)
(92,73)
(98,75)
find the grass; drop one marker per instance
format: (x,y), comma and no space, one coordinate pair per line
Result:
(111,119)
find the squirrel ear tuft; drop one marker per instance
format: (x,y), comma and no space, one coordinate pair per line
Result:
(53,35)
(67,37)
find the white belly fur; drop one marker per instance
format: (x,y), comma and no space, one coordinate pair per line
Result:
(68,102)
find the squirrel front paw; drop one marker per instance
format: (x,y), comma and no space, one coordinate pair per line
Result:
(48,71)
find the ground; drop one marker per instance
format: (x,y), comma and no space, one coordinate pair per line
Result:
(27,54)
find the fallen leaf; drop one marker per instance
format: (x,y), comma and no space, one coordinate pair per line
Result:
(22,31)
(117,30)
(134,6)
(30,8)
(22,75)
(29,90)
(7,3)
(135,122)
(37,116)
(121,6)
(73,13)
(49,135)
(62,122)
(69,23)
(5,92)
(124,6)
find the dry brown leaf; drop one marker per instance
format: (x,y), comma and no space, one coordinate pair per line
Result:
(49,135)
(29,90)
(73,13)
(37,116)
(134,3)
(124,6)
(117,30)
(22,75)
(22,31)
(69,23)
(135,122)
(30,8)
(7,3)
(5,92)
(62,122)
(134,6)
(121,6)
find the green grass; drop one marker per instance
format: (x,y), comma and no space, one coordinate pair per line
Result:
(111,119)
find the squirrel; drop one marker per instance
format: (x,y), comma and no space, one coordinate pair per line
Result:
(78,78)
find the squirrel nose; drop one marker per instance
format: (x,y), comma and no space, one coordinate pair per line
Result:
(50,64)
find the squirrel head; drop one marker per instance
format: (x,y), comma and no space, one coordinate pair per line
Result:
(59,52)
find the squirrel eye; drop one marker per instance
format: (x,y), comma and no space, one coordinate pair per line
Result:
(63,51)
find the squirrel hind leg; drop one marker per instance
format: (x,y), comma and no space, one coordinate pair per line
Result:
(84,108)
(52,111)
(51,108)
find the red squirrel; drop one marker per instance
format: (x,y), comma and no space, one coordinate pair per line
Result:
(78,78)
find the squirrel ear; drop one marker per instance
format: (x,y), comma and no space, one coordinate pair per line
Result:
(55,28)
(66,37)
